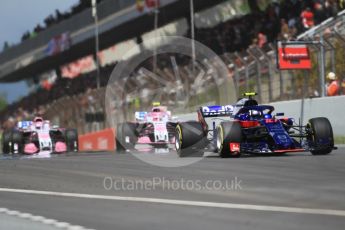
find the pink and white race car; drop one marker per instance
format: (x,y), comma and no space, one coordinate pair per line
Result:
(31,137)
(156,128)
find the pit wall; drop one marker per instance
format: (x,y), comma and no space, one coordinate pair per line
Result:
(103,140)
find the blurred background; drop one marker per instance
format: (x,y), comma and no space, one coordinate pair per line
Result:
(59,68)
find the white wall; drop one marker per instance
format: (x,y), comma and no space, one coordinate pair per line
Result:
(331,107)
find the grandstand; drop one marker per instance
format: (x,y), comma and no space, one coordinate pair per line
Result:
(62,54)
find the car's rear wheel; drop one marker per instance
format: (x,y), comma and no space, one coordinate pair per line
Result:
(190,139)
(229,138)
(320,136)
(126,136)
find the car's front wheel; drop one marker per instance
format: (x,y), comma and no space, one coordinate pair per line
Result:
(190,139)
(72,140)
(229,137)
(17,142)
(320,136)
(6,140)
(126,136)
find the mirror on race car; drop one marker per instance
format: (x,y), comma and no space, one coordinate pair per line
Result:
(280,114)
(174,118)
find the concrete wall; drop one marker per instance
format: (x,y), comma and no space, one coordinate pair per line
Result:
(331,107)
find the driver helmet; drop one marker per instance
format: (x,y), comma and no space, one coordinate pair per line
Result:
(268,116)
(254,113)
(38,122)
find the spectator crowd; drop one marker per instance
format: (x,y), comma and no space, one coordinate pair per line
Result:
(58,17)
(281,20)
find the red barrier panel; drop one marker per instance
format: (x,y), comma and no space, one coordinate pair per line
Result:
(101,140)
(293,56)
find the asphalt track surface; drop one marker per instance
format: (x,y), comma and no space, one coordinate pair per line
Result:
(294,191)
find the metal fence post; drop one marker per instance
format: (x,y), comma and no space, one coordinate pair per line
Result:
(246,69)
(281,79)
(322,66)
(235,77)
(293,84)
(329,43)
(246,66)
(258,73)
(270,70)
(281,84)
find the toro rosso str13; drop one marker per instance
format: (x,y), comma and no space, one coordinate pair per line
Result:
(31,137)
(247,127)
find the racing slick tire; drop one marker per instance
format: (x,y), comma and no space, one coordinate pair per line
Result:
(72,142)
(229,133)
(321,136)
(6,139)
(17,142)
(190,139)
(126,136)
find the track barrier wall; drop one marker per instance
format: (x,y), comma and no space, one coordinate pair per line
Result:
(331,107)
(103,140)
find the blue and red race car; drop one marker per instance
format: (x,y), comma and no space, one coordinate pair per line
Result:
(247,127)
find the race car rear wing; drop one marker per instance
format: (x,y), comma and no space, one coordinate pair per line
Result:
(216,111)
(24,124)
(140,116)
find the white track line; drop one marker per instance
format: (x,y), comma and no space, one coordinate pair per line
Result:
(268,208)
(41,219)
